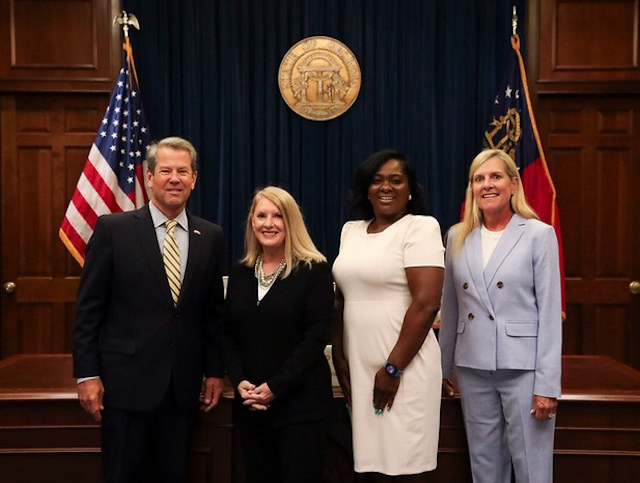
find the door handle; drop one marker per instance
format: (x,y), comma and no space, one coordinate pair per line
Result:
(9,287)
(634,287)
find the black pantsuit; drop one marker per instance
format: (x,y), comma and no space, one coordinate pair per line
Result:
(281,341)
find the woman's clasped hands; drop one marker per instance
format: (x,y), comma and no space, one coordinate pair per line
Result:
(257,398)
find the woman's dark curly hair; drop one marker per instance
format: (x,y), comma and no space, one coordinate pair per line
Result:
(358,195)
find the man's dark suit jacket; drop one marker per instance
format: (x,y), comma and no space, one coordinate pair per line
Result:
(127,330)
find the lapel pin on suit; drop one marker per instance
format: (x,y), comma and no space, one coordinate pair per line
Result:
(197,232)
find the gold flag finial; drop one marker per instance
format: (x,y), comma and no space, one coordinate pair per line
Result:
(514,20)
(125,20)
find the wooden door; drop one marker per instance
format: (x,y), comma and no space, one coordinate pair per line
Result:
(45,142)
(592,144)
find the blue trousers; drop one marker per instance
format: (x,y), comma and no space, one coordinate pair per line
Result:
(501,432)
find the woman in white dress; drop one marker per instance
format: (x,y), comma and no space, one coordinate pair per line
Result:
(389,275)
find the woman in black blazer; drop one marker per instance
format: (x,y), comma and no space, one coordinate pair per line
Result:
(279,308)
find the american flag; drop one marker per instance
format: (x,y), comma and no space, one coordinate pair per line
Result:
(513,129)
(113,176)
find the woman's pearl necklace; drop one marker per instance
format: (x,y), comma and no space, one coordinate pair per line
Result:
(267,280)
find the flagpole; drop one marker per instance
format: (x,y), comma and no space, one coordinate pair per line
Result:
(127,20)
(112,180)
(515,44)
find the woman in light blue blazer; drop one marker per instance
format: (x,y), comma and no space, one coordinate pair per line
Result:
(501,325)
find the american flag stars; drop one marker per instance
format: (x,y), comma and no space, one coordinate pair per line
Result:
(113,177)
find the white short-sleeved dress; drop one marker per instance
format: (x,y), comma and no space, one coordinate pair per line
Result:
(370,272)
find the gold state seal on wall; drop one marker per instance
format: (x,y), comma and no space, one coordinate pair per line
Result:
(319,78)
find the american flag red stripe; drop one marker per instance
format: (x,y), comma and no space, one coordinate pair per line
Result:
(104,185)
(113,177)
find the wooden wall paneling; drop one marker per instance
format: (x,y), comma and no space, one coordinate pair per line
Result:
(8,245)
(586,93)
(46,152)
(589,40)
(42,428)
(583,46)
(592,148)
(59,45)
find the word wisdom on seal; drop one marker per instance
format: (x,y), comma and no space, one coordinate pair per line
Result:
(319,78)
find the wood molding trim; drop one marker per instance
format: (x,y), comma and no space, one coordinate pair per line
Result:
(588,46)
(58,45)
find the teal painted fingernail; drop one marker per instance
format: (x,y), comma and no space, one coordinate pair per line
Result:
(388,408)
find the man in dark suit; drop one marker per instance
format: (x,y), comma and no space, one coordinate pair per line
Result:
(145,352)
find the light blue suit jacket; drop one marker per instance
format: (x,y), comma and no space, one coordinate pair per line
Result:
(507,315)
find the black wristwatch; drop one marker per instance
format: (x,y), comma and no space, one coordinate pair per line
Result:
(392,369)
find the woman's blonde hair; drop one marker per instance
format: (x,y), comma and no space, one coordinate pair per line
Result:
(298,246)
(473,216)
